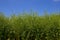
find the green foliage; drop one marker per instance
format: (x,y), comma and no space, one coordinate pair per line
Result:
(30,27)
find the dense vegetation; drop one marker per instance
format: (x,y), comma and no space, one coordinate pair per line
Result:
(30,27)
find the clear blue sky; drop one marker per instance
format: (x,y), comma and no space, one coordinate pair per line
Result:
(7,6)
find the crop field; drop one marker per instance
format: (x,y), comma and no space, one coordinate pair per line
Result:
(30,27)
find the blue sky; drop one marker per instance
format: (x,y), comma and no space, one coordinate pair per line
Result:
(16,6)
